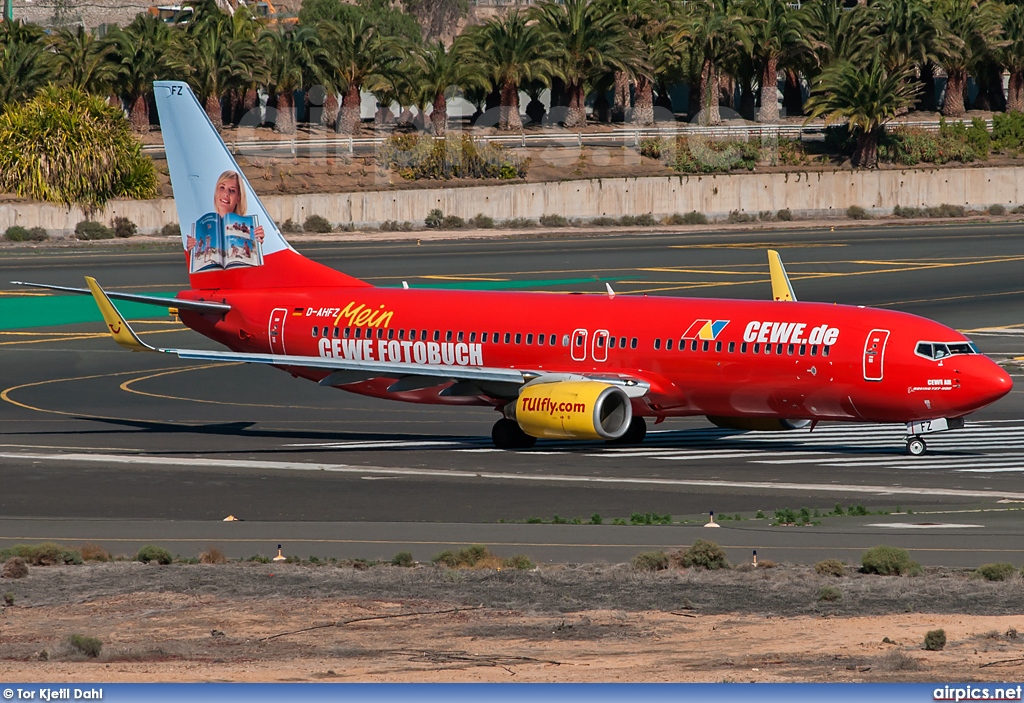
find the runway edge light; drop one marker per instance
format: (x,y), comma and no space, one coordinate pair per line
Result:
(279,557)
(711,521)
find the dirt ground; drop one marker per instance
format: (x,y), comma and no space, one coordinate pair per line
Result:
(592,623)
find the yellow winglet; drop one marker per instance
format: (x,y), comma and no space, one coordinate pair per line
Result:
(782,289)
(119,328)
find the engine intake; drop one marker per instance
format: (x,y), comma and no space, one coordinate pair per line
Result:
(759,424)
(572,410)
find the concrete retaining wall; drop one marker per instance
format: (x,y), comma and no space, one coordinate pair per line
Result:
(804,193)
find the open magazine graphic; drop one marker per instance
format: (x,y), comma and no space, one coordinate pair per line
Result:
(225,242)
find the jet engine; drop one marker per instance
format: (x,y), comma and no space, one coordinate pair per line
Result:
(572,410)
(760,424)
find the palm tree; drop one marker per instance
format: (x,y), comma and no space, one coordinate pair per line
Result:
(146,50)
(865,96)
(1012,56)
(24,62)
(511,52)
(294,60)
(590,41)
(438,71)
(968,29)
(82,61)
(220,60)
(715,30)
(356,53)
(776,32)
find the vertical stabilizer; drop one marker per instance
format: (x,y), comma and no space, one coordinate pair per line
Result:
(230,240)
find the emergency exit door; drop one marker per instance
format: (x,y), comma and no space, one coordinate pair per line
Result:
(874,354)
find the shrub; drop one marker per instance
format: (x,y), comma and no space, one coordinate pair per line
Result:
(471,556)
(978,138)
(653,148)
(434,218)
(705,555)
(691,218)
(89,646)
(830,594)
(518,223)
(452,222)
(9,598)
(395,226)
(935,640)
(996,209)
(403,559)
(15,568)
(830,567)
(519,562)
(645,220)
(89,230)
(482,221)
(906,212)
(553,221)
(94,552)
(649,519)
(888,561)
(995,572)
(650,561)
(153,553)
(171,229)
(603,222)
(317,224)
(20,234)
(417,157)
(856,212)
(124,228)
(698,155)
(212,555)
(947,210)
(596,519)
(67,147)
(290,226)
(736,217)
(1008,131)
(784,214)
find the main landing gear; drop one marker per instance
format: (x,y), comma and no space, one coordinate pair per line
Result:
(634,434)
(507,434)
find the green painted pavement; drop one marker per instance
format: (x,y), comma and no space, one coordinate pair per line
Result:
(55,310)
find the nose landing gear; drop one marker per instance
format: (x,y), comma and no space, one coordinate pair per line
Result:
(916,446)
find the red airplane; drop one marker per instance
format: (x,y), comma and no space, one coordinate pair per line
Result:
(554,365)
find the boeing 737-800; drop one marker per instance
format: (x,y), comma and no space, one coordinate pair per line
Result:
(587,367)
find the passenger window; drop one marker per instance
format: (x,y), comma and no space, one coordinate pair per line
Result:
(803,349)
(814,350)
(316,331)
(508,337)
(824,350)
(565,340)
(757,348)
(401,334)
(732,347)
(632,343)
(718,346)
(380,333)
(391,334)
(790,350)
(743,348)
(668,344)
(472,336)
(778,350)
(611,343)
(519,338)
(461,336)
(622,343)
(553,340)
(483,337)
(540,340)
(359,332)
(704,346)
(437,335)
(657,343)
(337,332)
(600,342)
(448,336)
(348,331)
(693,345)
(767,348)
(529,339)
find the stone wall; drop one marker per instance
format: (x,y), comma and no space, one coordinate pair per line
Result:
(808,194)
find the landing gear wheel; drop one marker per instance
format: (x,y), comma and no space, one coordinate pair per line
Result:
(635,434)
(507,434)
(916,446)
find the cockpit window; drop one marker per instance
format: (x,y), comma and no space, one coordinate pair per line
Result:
(940,350)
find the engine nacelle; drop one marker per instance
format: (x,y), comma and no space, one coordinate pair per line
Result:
(759,424)
(572,410)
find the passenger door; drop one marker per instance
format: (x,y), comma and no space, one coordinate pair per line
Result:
(600,348)
(579,345)
(874,354)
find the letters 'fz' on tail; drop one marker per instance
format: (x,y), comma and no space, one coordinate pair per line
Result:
(229,239)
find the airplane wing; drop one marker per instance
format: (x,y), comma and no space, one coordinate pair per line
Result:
(179,303)
(345,370)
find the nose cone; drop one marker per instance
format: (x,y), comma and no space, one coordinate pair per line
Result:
(989,383)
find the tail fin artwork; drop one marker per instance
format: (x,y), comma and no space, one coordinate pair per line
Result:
(229,239)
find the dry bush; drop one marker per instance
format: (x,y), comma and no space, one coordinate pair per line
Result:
(212,555)
(897,660)
(15,568)
(89,646)
(830,567)
(935,640)
(650,561)
(94,552)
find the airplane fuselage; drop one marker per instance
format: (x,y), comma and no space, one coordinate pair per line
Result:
(716,357)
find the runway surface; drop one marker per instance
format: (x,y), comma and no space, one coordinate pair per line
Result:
(90,432)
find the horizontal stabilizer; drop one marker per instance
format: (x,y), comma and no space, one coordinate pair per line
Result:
(119,328)
(179,303)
